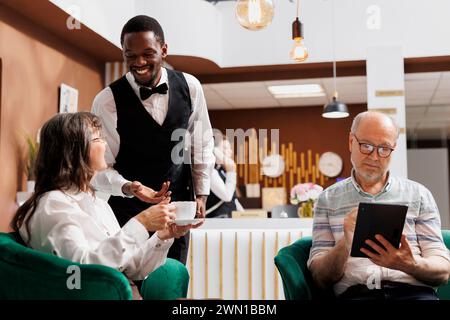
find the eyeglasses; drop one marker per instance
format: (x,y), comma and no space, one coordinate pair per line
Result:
(367,148)
(99,139)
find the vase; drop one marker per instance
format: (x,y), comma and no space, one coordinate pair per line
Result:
(306,209)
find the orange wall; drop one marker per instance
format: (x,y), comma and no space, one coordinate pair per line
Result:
(34,64)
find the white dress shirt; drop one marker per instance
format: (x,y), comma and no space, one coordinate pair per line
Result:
(225,190)
(199,127)
(82,228)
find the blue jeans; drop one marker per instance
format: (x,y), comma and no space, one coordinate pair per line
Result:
(394,291)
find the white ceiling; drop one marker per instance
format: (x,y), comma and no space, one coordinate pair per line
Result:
(427,98)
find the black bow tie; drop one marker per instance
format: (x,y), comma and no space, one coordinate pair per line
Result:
(145,92)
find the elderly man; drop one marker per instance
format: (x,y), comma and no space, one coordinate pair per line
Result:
(410,272)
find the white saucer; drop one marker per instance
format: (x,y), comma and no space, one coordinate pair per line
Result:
(185,222)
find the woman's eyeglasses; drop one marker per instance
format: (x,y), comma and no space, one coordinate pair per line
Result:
(99,139)
(367,148)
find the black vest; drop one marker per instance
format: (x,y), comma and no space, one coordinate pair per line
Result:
(213,200)
(146,147)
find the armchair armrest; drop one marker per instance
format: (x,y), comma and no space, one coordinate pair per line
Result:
(294,282)
(169,282)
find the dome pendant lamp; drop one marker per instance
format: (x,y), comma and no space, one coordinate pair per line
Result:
(335,109)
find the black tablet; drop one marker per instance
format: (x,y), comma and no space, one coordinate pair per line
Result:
(378,218)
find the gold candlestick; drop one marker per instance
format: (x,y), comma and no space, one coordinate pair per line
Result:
(309,160)
(287,159)
(291,147)
(302,162)
(294,160)
(291,179)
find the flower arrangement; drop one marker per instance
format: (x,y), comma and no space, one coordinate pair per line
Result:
(305,194)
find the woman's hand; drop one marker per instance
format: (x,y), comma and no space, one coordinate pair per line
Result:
(175,231)
(157,217)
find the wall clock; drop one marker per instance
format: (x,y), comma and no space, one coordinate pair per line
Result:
(330,164)
(273,166)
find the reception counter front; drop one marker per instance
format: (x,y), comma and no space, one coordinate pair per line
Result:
(233,258)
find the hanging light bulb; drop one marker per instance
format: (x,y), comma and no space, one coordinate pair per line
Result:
(254,14)
(298,52)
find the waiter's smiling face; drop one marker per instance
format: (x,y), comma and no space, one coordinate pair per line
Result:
(144,54)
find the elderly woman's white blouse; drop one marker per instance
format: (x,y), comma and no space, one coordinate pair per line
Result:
(81,227)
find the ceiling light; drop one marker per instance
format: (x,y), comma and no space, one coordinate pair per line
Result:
(335,109)
(254,14)
(299,52)
(297,91)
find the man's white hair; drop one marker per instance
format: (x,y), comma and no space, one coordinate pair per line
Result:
(365,114)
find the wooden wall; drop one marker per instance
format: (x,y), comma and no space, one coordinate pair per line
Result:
(34,64)
(302,127)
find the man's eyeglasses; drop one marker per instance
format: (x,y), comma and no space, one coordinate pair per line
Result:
(367,148)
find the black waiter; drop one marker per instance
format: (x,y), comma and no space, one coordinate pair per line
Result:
(143,114)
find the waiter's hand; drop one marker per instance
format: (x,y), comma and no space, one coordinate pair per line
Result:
(201,206)
(145,193)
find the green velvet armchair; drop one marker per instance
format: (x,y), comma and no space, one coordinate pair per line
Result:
(297,280)
(29,274)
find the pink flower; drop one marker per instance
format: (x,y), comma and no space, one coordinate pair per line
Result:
(305,192)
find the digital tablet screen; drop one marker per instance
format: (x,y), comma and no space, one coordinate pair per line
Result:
(378,218)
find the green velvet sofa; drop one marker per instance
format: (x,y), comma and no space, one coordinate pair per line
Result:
(29,274)
(297,280)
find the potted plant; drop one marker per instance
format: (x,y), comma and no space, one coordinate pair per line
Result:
(31,162)
(305,195)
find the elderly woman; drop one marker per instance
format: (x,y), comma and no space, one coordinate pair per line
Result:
(64,217)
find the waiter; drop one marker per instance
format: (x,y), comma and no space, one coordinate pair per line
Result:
(140,112)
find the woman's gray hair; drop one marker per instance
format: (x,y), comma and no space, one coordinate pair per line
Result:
(365,114)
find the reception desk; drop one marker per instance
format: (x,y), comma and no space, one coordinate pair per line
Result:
(233,258)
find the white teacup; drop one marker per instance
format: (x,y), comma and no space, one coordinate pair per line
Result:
(185,210)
